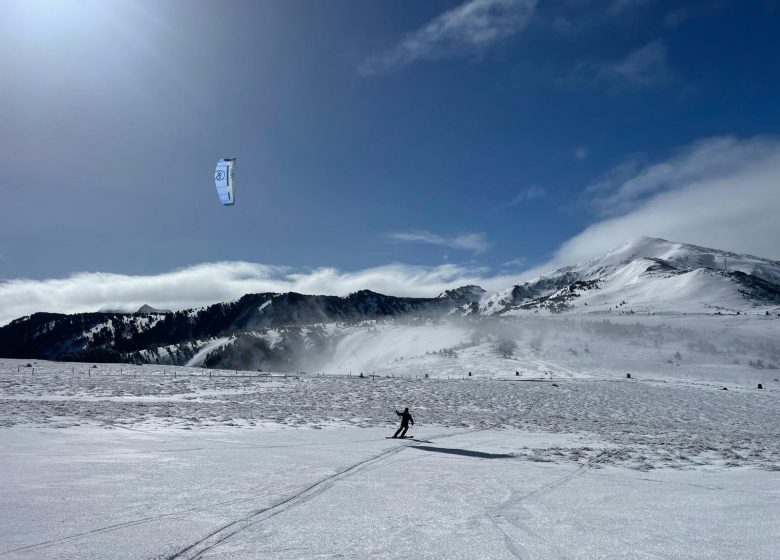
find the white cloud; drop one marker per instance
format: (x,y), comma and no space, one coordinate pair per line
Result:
(475,242)
(720,192)
(209,283)
(623,188)
(516,263)
(525,195)
(469,28)
(645,66)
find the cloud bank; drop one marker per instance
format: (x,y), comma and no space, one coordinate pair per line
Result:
(468,29)
(209,283)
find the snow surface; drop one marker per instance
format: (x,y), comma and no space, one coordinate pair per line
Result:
(548,452)
(350,493)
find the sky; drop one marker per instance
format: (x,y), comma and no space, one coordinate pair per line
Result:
(405,147)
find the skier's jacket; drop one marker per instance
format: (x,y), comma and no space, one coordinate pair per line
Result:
(405,417)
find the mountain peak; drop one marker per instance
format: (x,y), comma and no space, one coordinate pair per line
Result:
(649,275)
(465,294)
(145,308)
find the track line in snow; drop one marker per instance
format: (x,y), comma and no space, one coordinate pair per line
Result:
(131,523)
(498,520)
(225,532)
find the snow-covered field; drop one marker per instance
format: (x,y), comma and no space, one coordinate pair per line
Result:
(569,459)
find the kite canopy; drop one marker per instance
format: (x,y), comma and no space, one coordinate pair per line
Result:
(224,179)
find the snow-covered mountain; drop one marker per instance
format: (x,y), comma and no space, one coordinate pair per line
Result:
(649,276)
(143,336)
(286,331)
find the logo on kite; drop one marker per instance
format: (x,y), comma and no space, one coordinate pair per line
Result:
(225,180)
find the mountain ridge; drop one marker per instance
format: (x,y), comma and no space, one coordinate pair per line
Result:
(645,276)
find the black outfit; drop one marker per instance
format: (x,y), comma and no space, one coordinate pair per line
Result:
(405,419)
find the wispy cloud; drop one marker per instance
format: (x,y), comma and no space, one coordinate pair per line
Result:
(645,67)
(620,6)
(626,186)
(676,17)
(467,29)
(527,194)
(475,242)
(570,17)
(515,263)
(581,153)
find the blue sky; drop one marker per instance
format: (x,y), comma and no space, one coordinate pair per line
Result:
(398,145)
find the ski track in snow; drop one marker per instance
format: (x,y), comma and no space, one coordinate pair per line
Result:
(218,536)
(204,545)
(508,526)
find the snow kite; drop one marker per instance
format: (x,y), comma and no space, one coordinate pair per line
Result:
(225,180)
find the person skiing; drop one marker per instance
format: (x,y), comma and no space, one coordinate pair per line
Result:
(405,419)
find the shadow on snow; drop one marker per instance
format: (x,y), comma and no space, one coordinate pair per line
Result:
(465,452)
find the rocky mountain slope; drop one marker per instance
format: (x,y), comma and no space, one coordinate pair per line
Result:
(131,336)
